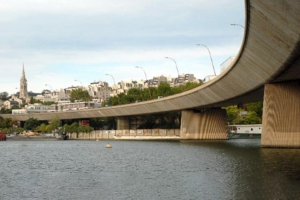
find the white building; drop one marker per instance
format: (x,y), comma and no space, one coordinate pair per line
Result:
(32,108)
(246,129)
(10,103)
(19,111)
(99,91)
(127,85)
(37,108)
(68,106)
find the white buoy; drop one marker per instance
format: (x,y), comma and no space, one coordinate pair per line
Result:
(97,140)
(108,145)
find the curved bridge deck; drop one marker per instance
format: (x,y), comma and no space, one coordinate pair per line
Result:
(269,53)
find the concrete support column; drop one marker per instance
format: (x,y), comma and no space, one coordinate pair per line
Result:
(123,123)
(207,125)
(281,115)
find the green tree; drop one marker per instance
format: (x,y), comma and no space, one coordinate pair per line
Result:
(31,124)
(48,103)
(251,118)
(256,107)
(190,85)
(54,123)
(5,111)
(80,94)
(72,128)
(43,128)
(15,107)
(233,114)
(136,95)
(164,89)
(3,96)
(6,123)
(85,129)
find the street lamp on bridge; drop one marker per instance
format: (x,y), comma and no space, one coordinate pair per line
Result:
(237,25)
(175,64)
(113,80)
(210,57)
(146,80)
(50,87)
(80,82)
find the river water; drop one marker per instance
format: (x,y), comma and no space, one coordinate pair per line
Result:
(231,169)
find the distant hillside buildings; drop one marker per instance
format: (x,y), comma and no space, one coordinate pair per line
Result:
(99,91)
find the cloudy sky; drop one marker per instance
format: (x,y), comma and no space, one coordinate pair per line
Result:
(62,40)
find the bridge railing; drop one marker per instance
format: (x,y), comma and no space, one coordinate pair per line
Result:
(139,134)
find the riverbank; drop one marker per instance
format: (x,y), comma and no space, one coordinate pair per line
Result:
(110,135)
(25,138)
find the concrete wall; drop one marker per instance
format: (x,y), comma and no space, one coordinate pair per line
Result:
(139,134)
(281,115)
(123,123)
(207,125)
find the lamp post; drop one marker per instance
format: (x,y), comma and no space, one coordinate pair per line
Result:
(50,87)
(82,88)
(175,64)
(80,82)
(237,25)
(146,79)
(113,80)
(17,91)
(210,57)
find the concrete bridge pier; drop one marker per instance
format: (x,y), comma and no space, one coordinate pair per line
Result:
(123,123)
(281,115)
(210,124)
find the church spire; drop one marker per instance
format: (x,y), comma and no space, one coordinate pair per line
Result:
(23,73)
(23,85)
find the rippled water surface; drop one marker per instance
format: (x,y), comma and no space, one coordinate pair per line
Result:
(232,169)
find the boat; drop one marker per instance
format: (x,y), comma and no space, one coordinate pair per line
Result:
(61,136)
(2,136)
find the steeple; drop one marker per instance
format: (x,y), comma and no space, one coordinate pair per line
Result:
(23,73)
(23,85)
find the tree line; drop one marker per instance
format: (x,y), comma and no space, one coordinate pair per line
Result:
(235,114)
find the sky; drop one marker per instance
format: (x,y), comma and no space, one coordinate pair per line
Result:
(60,41)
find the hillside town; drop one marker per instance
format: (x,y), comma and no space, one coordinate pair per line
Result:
(99,93)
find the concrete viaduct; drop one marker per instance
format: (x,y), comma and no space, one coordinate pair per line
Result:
(267,68)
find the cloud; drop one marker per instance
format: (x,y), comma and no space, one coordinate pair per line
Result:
(61,41)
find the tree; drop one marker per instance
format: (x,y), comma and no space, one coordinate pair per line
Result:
(48,103)
(164,89)
(15,107)
(6,123)
(5,111)
(256,107)
(79,94)
(73,128)
(251,118)
(3,95)
(233,114)
(43,128)
(85,129)
(31,124)
(191,85)
(136,95)
(54,123)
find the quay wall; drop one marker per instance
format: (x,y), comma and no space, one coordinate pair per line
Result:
(139,134)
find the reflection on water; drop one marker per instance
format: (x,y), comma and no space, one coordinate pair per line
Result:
(232,169)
